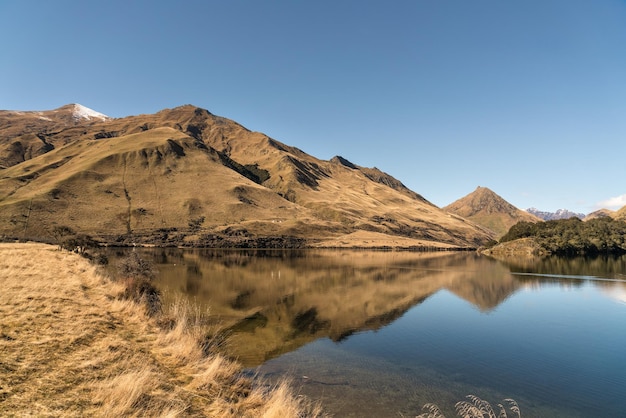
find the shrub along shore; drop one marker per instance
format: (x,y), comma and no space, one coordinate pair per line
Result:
(73,343)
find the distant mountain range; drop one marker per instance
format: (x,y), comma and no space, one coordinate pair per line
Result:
(559,214)
(184,176)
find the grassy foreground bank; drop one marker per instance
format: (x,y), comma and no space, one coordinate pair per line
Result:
(69,346)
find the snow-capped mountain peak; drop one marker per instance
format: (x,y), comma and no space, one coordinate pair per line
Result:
(82,112)
(559,214)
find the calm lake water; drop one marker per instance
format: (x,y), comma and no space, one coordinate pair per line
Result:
(379,334)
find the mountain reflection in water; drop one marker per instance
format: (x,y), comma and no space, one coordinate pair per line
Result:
(547,332)
(272,302)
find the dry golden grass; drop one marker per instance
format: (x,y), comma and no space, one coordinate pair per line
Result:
(489,210)
(370,239)
(70,347)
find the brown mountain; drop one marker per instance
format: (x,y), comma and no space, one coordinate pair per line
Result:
(486,208)
(24,135)
(600,213)
(184,175)
(620,214)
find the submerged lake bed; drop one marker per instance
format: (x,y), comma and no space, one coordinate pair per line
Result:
(373,333)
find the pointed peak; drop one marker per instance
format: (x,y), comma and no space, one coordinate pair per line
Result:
(83,112)
(481,189)
(490,210)
(481,200)
(188,108)
(80,113)
(337,159)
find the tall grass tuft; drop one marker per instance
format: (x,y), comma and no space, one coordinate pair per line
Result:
(474,407)
(432,411)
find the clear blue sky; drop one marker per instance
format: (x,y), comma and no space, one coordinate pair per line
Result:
(527,97)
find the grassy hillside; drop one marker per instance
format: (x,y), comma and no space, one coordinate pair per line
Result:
(488,209)
(603,235)
(600,214)
(140,182)
(185,176)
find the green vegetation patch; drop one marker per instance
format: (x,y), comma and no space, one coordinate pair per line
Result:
(573,236)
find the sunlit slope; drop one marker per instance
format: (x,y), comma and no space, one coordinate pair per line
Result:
(488,209)
(27,134)
(144,173)
(156,179)
(349,196)
(599,214)
(337,192)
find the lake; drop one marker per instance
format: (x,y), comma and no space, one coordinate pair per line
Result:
(379,334)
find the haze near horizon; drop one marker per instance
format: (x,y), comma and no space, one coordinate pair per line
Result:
(523,98)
